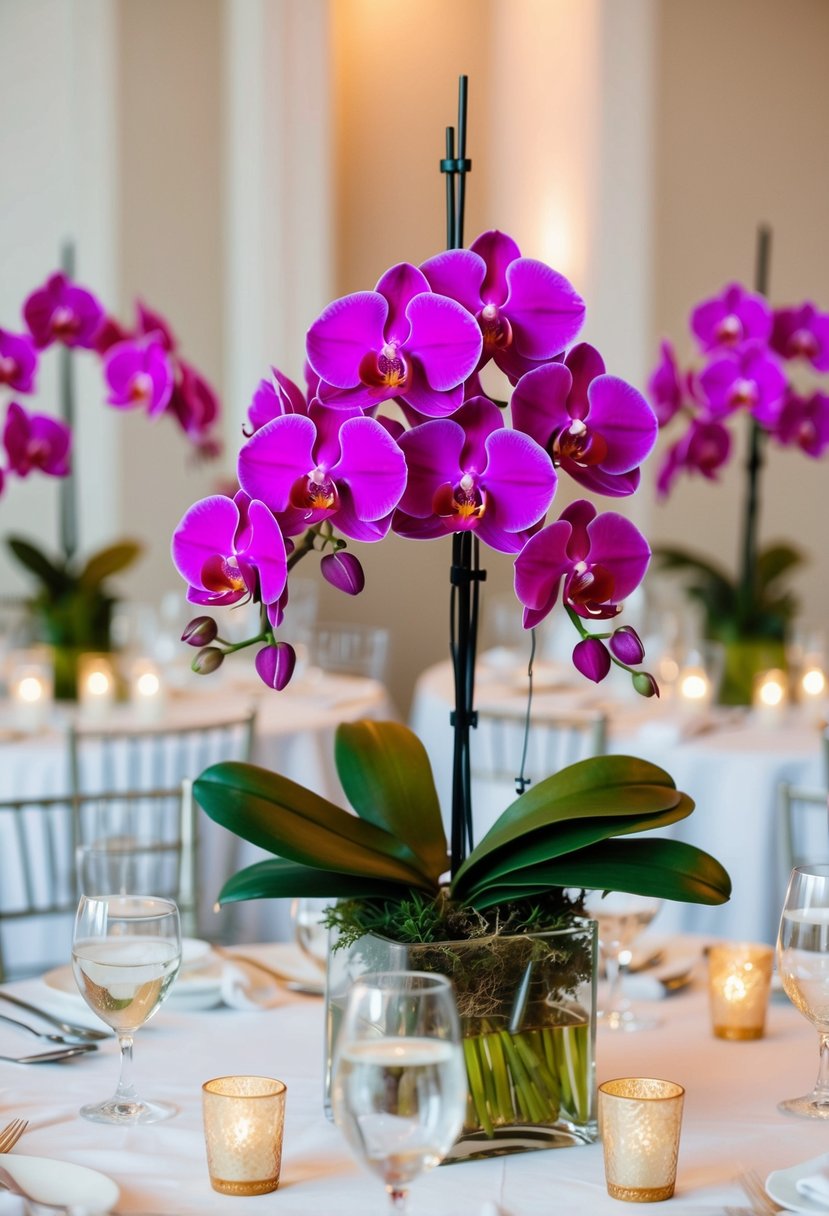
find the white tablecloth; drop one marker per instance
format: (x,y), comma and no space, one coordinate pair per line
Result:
(294,736)
(732,770)
(730,1124)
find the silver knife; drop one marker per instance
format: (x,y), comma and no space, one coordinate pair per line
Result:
(78,1032)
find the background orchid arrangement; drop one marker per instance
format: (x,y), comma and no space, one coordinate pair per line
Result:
(142,368)
(750,350)
(395,431)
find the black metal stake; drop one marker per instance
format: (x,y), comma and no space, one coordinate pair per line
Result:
(68,489)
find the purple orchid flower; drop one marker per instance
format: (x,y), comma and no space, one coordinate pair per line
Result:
(471,473)
(626,645)
(802,333)
(527,312)
(274,398)
(108,333)
(804,422)
(151,323)
(228,549)
(748,378)
(194,404)
(18,361)
(139,374)
(325,466)
(36,441)
(667,388)
(595,560)
(61,311)
(704,448)
(400,340)
(597,428)
(731,318)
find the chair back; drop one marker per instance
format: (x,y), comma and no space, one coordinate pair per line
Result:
(358,650)
(47,846)
(804,827)
(153,758)
(555,740)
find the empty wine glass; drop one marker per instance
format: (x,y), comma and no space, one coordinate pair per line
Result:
(126,952)
(803,965)
(621,918)
(399,1088)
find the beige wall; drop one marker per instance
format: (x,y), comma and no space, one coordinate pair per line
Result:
(743,101)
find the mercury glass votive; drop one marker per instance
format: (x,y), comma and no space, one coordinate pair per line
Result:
(770,698)
(146,690)
(639,1123)
(739,979)
(96,685)
(243,1122)
(31,688)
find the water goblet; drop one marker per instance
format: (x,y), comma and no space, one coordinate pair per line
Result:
(310,930)
(399,1087)
(621,918)
(803,966)
(126,952)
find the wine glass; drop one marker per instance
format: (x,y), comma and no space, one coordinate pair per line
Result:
(126,952)
(621,918)
(310,930)
(399,1087)
(803,966)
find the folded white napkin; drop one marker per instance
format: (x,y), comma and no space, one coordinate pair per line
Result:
(815,1187)
(247,987)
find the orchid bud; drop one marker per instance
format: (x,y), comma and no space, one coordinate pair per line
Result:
(590,657)
(626,645)
(645,684)
(343,571)
(200,631)
(275,665)
(207,660)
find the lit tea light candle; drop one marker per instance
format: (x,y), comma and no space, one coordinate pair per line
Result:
(640,1119)
(31,688)
(243,1123)
(813,683)
(771,696)
(695,689)
(146,689)
(96,684)
(739,978)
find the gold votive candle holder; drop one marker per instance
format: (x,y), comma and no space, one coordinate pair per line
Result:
(244,1119)
(739,979)
(639,1121)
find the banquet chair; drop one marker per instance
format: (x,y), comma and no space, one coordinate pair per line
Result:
(804,826)
(358,650)
(45,842)
(555,740)
(154,758)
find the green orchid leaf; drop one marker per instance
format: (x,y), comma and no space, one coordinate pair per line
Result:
(106,562)
(563,838)
(286,819)
(668,557)
(278,878)
(601,786)
(387,778)
(774,561)
(53,578)
(664,869)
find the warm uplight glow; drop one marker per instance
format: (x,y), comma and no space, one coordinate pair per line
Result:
(813,682)
(148,684)
(30,689)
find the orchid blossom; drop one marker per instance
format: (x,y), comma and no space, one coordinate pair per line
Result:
(139,375)
(733,317)
(62,311)
(18,362)
(35,441)
(228,550)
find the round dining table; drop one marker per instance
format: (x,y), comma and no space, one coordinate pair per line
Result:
(731,763)
(731,1124)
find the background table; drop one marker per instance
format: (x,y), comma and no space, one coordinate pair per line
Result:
(731,1122)
(731,766)
(294,736)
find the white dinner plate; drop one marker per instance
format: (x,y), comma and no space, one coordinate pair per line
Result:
(287,960)
(782,1187)
(62,1182)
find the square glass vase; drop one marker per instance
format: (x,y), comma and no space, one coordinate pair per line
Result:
(527,1004)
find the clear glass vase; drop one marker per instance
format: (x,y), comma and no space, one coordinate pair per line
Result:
(528,1010)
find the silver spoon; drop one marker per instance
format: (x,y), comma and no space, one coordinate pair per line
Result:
(49,1057)
(42,1034)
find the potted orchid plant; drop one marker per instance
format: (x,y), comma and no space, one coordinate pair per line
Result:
(142,369)
(750,351)
(395,432)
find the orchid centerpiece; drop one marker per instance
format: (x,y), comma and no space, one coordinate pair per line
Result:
(142,368)
(748,377)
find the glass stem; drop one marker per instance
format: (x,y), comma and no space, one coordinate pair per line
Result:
(126,1091)
(616,969)
(822,1082)
(397,1199)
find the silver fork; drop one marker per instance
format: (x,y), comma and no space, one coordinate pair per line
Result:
(11,1133)
(43,1034)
